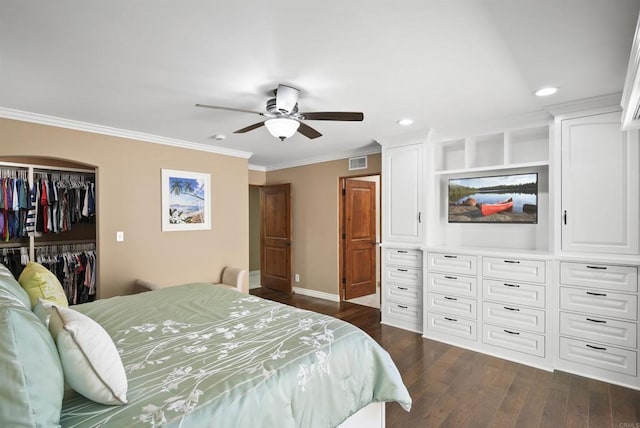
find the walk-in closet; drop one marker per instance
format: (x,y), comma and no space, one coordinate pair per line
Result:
(48,214)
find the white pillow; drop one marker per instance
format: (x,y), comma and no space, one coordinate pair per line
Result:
(90,360)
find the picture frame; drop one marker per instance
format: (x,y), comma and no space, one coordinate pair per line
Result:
(186,200)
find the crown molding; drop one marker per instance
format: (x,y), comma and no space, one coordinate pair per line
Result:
(585,104)
(259,168)
(405,138)
(327,158)
(42,119)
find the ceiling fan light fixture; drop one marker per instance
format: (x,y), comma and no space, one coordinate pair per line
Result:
(282,127)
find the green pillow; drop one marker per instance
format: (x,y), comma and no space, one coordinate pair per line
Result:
(38,281)
(9,283)
(32,383)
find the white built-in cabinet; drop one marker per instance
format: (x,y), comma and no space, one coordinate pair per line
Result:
(403,194)
(496,304)
(600,186)
(560,294)
(403,235)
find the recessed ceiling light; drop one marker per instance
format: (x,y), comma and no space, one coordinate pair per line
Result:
(543,92)
(405,122)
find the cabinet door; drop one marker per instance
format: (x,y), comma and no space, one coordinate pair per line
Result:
(402,181)
(599,186)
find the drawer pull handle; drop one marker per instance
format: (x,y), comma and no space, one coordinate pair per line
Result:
(446,256)
(590,293)
(511,285)
(402,251)
(402,270)
(597,267)
(512,261)
(511,332)
(450,277)
(598,321)
(403,307)
(512,309)
(598,348)
(450,298)
(451,319)
(403,288)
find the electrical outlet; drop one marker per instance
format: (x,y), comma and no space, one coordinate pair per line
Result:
(119,236)
(297,278)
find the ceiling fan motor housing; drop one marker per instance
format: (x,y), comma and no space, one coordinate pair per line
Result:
(273,109)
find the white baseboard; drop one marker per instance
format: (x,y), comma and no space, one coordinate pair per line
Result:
(318,294)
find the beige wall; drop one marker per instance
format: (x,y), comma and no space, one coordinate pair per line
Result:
(128,199)
(315,219)
(257,178)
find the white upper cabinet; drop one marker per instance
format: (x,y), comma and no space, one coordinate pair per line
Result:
(600,186)
(403,198)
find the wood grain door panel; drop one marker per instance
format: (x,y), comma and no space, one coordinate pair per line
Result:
(360,238)
(275,237)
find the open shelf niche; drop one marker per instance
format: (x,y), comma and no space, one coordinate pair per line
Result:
(517,148)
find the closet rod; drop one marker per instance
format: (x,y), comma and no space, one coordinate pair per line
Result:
(76,242)
(14,245)
(46,168)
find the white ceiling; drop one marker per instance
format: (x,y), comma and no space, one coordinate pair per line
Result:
(142,65)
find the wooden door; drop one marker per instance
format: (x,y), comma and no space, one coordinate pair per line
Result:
(275,237)
(359,238)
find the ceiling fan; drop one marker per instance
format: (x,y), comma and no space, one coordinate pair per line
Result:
(284,119)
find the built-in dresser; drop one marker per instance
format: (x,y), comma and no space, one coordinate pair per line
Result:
(557,293)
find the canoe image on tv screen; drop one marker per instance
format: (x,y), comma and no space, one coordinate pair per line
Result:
(497,199)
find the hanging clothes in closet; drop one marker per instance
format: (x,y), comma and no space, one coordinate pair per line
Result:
(75,268)
(15,259)
(60,200)
(14,203)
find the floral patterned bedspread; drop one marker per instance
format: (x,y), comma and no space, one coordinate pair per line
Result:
(198,355)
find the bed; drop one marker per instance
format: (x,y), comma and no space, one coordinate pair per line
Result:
(207,355)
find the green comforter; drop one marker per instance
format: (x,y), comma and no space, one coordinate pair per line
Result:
(198,355)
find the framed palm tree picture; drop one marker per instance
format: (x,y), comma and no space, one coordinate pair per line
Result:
(186,200)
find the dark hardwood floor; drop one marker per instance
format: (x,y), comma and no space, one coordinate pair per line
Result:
(454,387)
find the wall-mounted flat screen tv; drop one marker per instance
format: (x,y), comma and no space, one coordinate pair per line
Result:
(498,199)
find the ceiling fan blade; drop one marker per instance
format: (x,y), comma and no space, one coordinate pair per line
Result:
(230,109)
(308,131)
(286,98)
(249,128)
(334,115)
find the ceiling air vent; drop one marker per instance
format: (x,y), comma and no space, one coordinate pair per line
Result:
(357,163)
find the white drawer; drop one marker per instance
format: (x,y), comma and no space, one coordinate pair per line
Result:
(513,316)
(599,302)
(399,293)
(403,316)
(451,325)
(453,284)
(516,340)
(599,329)
(402,257)
(514,292)
(514,269)
(402,275)
(452,263)
(453,305)
(597,355)
(620,278)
